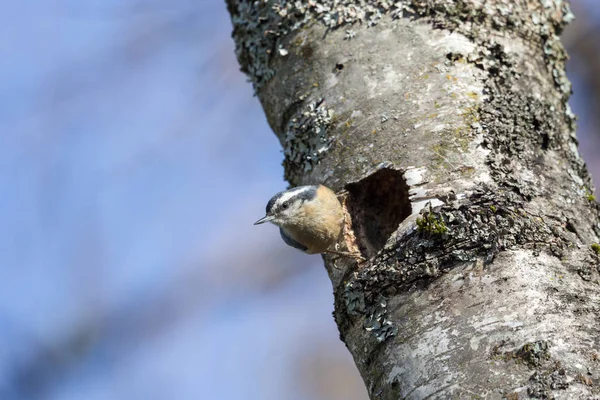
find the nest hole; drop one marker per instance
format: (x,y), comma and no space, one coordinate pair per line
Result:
(377,205)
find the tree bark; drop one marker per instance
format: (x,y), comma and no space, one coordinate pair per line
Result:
(445,128)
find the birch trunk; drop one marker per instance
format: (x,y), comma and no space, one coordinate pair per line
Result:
(445,127)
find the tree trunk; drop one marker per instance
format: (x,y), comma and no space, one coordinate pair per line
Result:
(445,127)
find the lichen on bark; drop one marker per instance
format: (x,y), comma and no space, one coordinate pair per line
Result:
(489,285)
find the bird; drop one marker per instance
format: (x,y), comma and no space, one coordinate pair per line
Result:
(310,218)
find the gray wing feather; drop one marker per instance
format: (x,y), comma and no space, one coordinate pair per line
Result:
(291,242)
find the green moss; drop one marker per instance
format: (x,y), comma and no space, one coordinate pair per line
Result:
(431,224)
(493,208)
(471,114)
(596,248)
(591,197)
(461,136)
(532,354)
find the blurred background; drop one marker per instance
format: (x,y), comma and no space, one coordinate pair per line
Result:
(133,161)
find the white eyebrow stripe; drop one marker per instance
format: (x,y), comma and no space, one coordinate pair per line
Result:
(291,193)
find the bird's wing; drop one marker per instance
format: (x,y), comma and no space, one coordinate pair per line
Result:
(291,242)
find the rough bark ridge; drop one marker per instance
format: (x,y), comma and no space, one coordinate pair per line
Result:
(444,124)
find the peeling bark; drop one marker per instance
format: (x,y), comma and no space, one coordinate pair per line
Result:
(445,127)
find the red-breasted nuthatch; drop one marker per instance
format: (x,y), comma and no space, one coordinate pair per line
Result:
(310,218)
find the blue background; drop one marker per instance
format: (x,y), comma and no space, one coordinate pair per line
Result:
(133,161)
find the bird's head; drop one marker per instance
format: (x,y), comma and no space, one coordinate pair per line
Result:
(288,207)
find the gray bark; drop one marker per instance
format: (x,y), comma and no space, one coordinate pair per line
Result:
(445,127)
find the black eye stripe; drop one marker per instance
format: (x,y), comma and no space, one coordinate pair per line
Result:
(306,193)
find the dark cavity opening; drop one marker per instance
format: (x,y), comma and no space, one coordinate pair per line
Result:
(377,205)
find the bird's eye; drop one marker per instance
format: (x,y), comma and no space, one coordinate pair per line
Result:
(285,206)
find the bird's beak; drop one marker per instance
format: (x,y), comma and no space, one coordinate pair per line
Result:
(264,219)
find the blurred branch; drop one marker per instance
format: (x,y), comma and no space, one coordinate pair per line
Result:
(149,315)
